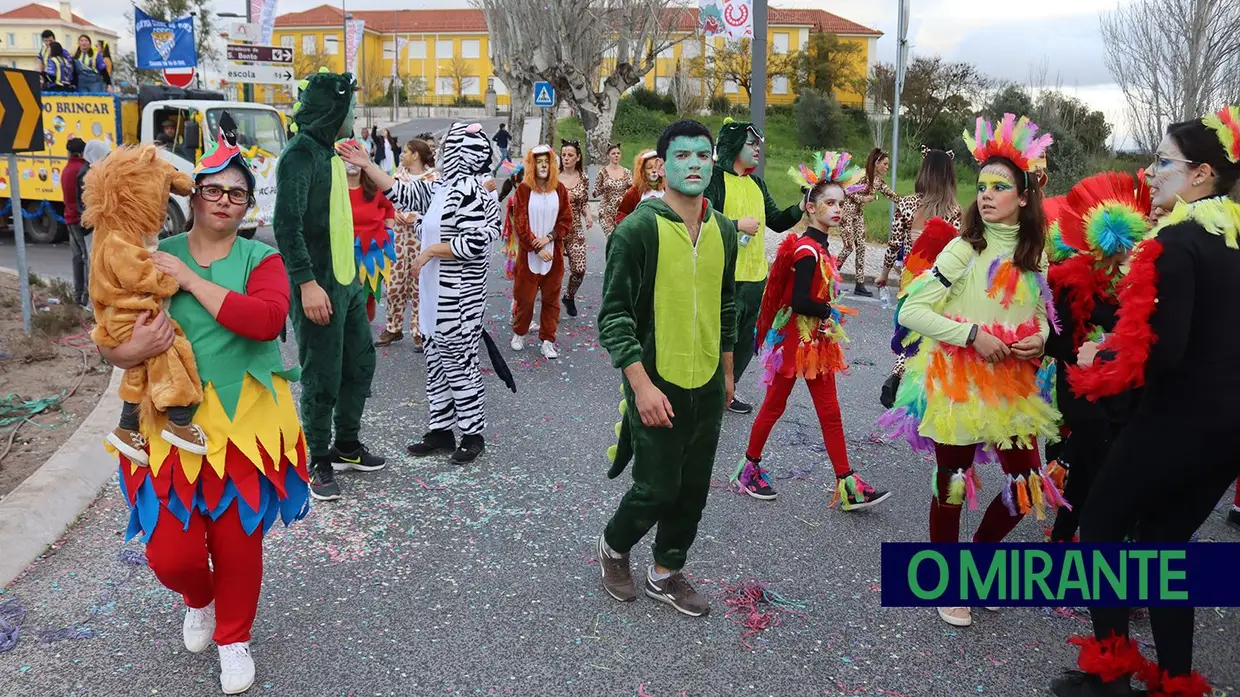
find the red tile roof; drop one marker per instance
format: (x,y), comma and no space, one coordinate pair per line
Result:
(36,11)
(473,21)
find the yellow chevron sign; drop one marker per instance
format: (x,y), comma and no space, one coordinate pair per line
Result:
(21,111)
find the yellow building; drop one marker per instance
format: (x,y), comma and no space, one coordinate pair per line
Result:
(445,53)
(21,29)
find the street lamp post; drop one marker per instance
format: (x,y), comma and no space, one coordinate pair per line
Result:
(197,44)
(247,89)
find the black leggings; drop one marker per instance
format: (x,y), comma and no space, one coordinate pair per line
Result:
(1156,450)
(1085,452)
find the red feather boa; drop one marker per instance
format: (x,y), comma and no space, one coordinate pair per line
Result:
(1077,278)
(1133,336)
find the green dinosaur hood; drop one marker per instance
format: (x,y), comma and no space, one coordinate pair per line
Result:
(323,105)
(730,141)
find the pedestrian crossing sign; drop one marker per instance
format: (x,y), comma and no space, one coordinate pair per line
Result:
(544,94)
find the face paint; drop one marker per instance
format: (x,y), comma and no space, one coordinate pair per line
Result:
(688,164)
(997,199)
(542,166)
(1170,175)
(651,168)
(351,169)
(751,150)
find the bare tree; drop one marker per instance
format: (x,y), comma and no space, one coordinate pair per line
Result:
(459,70)
(512,43)
(1180,67)
(685,90)
(575,34)
(733,62)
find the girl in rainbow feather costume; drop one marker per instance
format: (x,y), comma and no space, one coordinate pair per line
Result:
(983,312)
(800,334)
(374,245)
(1103,217)
(1175,338)
(203,517)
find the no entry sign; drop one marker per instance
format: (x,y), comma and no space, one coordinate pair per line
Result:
(179,77)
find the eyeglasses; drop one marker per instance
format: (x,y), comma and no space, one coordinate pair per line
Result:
(1162,162)
(213,193)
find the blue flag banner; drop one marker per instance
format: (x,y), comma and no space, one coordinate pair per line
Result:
(163,44)
(916,574)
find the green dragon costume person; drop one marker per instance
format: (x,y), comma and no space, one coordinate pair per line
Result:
(314,230)
(668,321)
(738,193)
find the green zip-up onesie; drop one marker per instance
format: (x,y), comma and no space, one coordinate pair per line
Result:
(668,304)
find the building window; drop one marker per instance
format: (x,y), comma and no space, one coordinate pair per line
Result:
(471,85)
(611,51)
(36,40)
(331,45)
(668,53)
(662,84)
(499,86)
(443,49)
(389,50)
(779,84)
(309,45)
(780,45)
(445,85)
(416,49)
(691,48)
(471,49)
(12,42)
(286,41)
(729,87)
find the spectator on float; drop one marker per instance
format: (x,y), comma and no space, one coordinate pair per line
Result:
(58,75)
(105,58)
(89,66)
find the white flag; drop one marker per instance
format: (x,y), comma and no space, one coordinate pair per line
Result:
(732,19)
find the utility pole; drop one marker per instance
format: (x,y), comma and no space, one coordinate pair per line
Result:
(901,58)
(247,89)
(757,97)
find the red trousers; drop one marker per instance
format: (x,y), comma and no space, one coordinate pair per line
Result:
(822,392)
(232,579)
(1238,493)
(997,522)
(526,286)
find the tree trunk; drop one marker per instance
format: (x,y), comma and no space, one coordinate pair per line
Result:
(546,133)
(598,134)
(519,96)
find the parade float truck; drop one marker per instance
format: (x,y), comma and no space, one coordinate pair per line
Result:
(140,119)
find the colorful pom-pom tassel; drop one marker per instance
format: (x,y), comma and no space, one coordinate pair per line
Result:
(624,407)
(956,489)
(1006,496)
(1057,474)
(1022,495)
(617,429)
(611,453)
(970,488)
(1035,496)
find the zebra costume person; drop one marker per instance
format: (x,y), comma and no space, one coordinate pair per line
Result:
(460,221)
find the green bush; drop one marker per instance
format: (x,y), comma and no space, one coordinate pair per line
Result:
(649,99)
(720,105)
(636,122)
(467,102)
(820,123)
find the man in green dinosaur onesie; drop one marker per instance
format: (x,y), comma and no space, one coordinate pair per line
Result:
(314,230)
(742,197)
(668,322)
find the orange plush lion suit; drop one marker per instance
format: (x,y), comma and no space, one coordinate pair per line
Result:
(126,196)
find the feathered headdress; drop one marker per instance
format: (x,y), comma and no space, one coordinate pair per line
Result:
(1104,215)
(1226,125)
(1016,140)
(1057,250)
(224,152)
(835,167)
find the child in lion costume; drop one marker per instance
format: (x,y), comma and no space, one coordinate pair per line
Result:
(126,198)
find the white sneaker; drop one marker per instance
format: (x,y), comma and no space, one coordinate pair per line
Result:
(198,628)
(956,616)
(517,343)
(236,668)
(548,351)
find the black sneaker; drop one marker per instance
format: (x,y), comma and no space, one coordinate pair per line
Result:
(431,443)
(323,484)
(361,460)
(471,447)
(1074,683)
(887,396)
(675,590)
(866,498)
(571,305)
(1233,518)
(861,290)
(739,407)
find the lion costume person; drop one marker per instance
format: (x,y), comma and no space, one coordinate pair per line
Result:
(126,198)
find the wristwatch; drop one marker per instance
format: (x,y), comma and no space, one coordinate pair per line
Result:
(972,336)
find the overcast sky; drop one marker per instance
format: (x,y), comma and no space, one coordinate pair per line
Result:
(1016,49)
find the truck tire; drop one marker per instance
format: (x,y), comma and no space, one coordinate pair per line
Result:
(44,229)
(174,222)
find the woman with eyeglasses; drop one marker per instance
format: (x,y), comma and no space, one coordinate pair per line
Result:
(203,517)
(1176,336)
(574,179)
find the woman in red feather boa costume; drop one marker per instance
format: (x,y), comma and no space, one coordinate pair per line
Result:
(1176,336)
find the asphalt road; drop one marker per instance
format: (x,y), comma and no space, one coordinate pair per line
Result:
(432,579)
(438,126)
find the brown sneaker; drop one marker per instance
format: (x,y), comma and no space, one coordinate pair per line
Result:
(131,444)
(189,438)
(617,576)
(386,337)
(676,591)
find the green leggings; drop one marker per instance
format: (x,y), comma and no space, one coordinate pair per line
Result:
(337,365)
(671,473)
(748,300)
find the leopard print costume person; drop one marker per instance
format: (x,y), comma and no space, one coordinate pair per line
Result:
(402,289)
(575,245)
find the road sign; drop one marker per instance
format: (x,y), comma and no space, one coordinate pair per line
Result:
(179,77)
(247,53)
(21,111)
(245,31)
(259,74)
(544,94)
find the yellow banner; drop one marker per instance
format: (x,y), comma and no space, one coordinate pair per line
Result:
(65,116)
